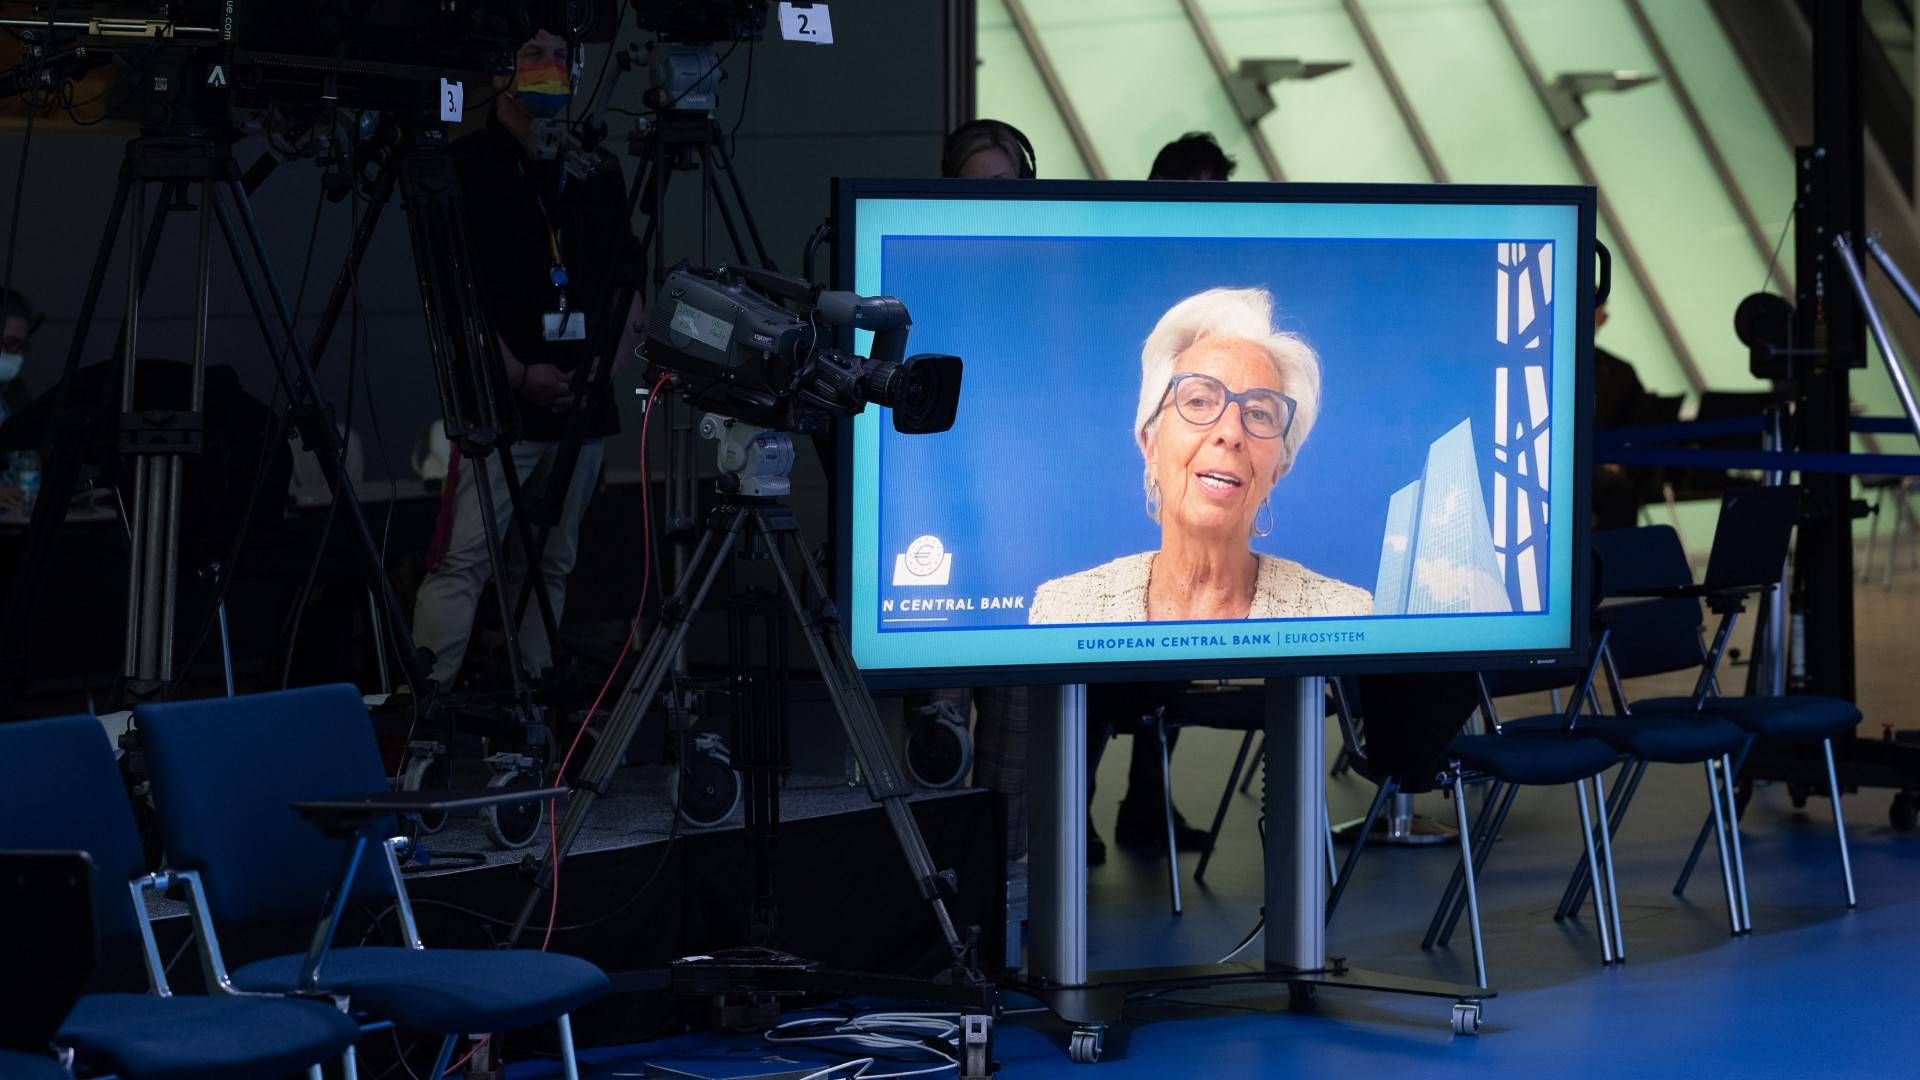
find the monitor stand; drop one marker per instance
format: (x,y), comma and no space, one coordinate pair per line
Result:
(1295,910)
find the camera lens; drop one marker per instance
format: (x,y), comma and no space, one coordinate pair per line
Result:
(923,392)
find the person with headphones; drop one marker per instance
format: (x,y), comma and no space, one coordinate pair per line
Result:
(987,150)
(550,239)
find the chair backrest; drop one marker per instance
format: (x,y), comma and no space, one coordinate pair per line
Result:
(63,792)
(1408,721)
(225,771)
(1650,637)
(1751,539)
(48,954)
(1533,680)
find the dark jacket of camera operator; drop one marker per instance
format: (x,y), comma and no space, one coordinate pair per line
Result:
(533,222)
(553,247)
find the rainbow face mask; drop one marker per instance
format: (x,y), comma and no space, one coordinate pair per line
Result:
(544,86)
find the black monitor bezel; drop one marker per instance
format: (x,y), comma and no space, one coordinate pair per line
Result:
(848,191)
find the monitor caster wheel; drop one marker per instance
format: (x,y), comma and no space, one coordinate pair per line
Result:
(1086,1044)
(704,789)
(1466,1018)
(939,749)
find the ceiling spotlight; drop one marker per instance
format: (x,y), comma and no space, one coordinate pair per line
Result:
(1251,82)
(1566,92)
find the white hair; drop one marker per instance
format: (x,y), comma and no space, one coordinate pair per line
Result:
(1237,314)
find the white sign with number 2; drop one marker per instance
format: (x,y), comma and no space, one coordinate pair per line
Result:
(806,22)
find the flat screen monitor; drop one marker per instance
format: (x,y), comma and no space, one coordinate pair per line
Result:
(1223,430)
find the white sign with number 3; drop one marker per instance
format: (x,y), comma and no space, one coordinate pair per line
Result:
(806,22)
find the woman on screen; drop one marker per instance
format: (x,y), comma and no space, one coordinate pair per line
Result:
(1225,403)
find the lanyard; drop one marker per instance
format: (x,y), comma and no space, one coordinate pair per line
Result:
(558,273)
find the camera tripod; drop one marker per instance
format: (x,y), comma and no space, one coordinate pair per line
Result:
(178,162)
(765,527)
(675,140)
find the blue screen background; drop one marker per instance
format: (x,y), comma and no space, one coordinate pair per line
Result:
(1040,475)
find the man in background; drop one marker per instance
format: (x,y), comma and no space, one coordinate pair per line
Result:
(1616,399)
(21,472)
(551,241)
(1193,156)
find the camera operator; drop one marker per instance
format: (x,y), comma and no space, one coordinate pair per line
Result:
(550,245)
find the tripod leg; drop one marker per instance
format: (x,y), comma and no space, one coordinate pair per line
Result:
(712,181)
(740,198)
(535,548)
(861,720)
(496,557)
(321,436)
(650,670)
(136,558)
(350,271)
(177,465)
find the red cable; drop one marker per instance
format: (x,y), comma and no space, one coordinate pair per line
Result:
(646,580)
(646,573)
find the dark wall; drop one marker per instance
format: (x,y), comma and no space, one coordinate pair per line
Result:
(873,103)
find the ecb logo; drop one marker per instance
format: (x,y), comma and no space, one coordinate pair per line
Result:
(925,562)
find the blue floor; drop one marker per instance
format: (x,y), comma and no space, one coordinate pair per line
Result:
(1815,990)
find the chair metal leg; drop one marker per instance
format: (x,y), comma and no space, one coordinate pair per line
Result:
(1733,838)
(1259,762)
(1873,534)
(445,1057)
(1706,830)
(1612,910)
(1220,813)
(1450,894)
(349,1065)
(1446,914)
(1893,544)
(1693,859)
(1586,834)
(1473,895)
(1839,821)
(1326,829)
(1482,851)
(1720,835)
(314,1073)
(1387,788)
(1166,799)
(1625,784)
(569,1065)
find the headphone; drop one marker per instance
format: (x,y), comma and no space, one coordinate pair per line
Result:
(996,133)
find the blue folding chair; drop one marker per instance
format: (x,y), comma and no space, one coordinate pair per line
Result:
(1412,744)
(225,772)
(1749,549)
(64,794)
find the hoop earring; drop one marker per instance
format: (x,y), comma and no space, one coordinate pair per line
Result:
(1266,507)
(1153,499)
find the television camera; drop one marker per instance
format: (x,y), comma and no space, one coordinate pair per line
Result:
(760,347)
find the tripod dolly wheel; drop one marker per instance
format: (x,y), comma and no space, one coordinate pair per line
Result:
(939,749)
(426,769)
(1904,814)
(704,789)
(514,827)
